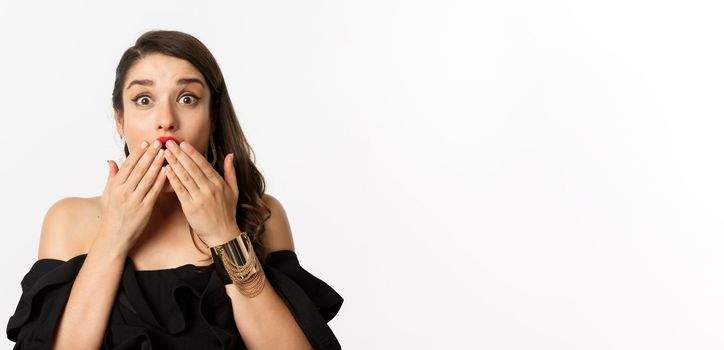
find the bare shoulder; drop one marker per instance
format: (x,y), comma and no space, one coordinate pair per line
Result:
(66,227)
(278,233)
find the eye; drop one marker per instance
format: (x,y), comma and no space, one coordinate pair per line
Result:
(189,99)
(139,100)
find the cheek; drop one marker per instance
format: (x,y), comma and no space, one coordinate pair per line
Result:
(199,141)
(134,134)
(135,124)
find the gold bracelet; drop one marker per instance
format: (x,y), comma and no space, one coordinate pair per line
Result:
(242,265)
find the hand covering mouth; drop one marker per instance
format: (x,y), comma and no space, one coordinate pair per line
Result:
(163,140)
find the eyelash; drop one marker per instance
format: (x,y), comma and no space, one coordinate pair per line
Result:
(197,99)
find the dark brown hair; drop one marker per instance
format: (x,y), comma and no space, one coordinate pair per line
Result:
(251,212)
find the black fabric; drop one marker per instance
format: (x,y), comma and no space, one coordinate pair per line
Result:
(180,308)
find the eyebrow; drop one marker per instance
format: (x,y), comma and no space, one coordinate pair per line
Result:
(149,82)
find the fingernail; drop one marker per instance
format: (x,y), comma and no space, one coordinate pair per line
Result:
(232,157)
(156,144)
(144,144)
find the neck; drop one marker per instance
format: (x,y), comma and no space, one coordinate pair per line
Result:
(167,204)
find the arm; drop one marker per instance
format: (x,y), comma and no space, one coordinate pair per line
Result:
(264,321)
(84,320)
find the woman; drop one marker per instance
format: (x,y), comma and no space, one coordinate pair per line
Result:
(183,250)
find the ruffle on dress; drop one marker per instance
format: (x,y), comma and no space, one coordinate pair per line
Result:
(179,308)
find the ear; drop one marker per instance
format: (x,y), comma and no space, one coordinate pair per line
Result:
(119,122)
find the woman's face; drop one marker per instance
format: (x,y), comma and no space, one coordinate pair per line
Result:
(165,96)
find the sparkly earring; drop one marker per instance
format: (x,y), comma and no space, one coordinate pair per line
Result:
(213,151)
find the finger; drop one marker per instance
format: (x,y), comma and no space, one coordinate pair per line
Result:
(192,168)
(200,161)
(230,174)
(131,161)
(150,177)
(153,193)
(183,174)
(112,168)
(178,186)
(112,171)
(142,166)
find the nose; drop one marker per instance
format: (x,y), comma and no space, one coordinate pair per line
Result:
(165,118)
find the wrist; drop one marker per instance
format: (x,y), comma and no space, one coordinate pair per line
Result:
(238,264)
(222,237)
(102,243)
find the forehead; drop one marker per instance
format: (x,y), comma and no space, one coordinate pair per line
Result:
(162,69)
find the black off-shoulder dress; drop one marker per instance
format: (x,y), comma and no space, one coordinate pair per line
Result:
(179,308)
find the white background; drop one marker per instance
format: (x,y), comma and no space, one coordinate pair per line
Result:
(467,175)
